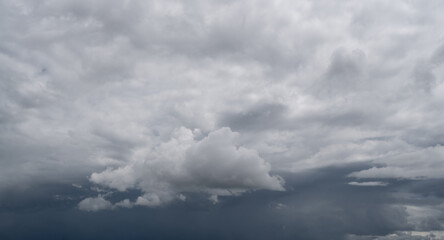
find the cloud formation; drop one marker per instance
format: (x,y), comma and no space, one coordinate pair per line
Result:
(214,164)
(369,184)
(222,98)
(94,204)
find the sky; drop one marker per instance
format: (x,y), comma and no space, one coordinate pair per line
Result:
(230,119)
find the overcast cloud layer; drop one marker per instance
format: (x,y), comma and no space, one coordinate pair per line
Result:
(161,100)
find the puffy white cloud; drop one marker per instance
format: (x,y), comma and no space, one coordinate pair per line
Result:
(94,204)
(149,200)
(215,164)
(126,203)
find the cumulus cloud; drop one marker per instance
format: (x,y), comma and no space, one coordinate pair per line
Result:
(215,164)
(94,204)
(126,203)
(167,97)
(149,200)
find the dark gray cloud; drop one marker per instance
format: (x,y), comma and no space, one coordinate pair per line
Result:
(159,101)
(317,205)
(346,73)
(260,117)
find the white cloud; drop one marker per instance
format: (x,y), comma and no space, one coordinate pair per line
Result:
(126,203)
(369,184)
(149,200)
(214,199)
(213,164)
(94,204)
(417,163)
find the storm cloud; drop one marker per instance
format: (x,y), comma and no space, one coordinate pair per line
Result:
(328,115)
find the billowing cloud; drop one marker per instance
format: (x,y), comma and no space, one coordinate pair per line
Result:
(215,164)
(169,98)
(86,89)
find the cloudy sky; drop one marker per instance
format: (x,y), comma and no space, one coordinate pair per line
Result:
(231,119)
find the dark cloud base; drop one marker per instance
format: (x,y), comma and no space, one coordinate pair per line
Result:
(317,205)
